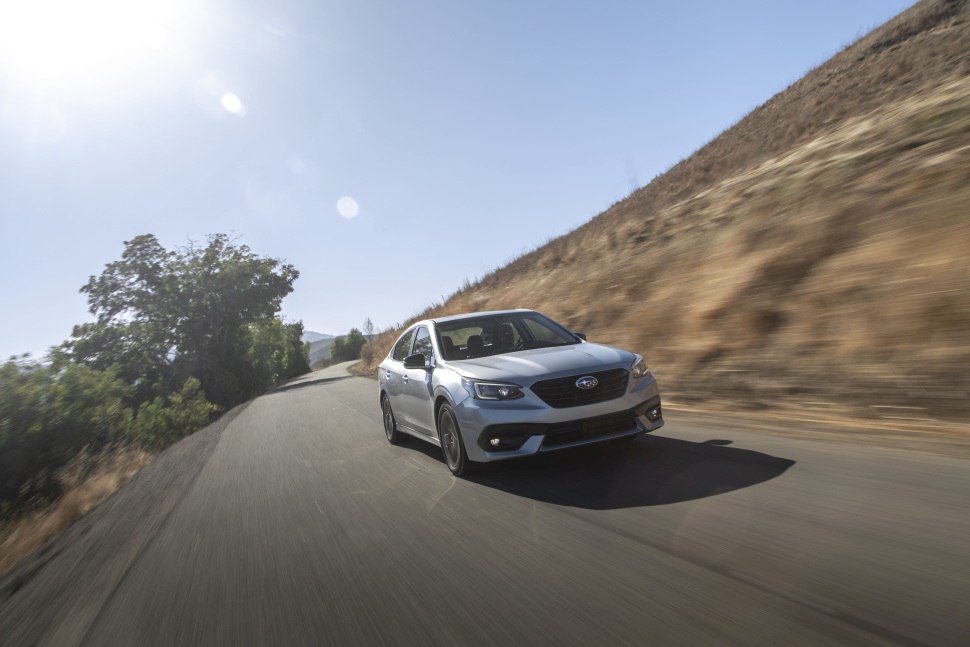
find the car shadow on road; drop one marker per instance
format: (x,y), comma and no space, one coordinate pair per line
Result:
(649,470)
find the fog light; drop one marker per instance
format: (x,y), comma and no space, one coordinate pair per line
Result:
(502,441)
(505,443)
(654,413)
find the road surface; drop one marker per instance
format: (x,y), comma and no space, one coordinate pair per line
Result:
(292,521)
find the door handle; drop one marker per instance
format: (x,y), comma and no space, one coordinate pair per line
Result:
(405,378)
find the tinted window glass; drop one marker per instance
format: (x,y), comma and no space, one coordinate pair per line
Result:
(402,346)
(542,332)
(422,343)
(482,336)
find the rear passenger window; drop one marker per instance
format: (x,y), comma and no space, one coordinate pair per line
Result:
(402,346)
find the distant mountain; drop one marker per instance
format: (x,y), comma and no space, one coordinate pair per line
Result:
(311,336)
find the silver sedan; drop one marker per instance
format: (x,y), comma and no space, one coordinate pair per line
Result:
(488,386)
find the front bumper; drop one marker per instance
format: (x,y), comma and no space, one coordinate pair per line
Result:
(529,426)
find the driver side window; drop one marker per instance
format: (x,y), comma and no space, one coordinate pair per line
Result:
(422,344)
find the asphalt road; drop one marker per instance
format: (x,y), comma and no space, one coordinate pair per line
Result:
(292,521)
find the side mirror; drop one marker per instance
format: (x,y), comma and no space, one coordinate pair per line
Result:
(414,361)
(581,335)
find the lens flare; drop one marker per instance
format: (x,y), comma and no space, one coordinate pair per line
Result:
(232,103)
(347,207)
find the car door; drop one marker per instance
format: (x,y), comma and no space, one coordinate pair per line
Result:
(393,376)
(417,401)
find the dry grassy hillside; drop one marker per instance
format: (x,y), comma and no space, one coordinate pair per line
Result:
(815,255)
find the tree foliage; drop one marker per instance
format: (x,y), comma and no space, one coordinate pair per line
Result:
(199,311)
(177,335)
(276,352)
(347,347)
(48,414)
(165,420)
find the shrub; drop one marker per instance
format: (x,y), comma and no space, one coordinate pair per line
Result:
(50,413)
(165,420)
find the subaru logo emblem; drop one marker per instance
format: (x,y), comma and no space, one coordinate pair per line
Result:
(587,382)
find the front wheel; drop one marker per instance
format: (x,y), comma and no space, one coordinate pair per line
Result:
(452,446)
(394,436)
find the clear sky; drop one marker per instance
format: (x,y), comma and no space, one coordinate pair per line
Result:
(389,150)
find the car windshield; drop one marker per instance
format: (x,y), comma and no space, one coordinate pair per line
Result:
(497,334)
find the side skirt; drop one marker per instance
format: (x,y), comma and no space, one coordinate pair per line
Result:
(417,434)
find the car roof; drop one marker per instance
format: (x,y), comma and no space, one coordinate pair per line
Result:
(472,315)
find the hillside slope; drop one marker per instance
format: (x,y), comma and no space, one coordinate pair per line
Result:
(813,256)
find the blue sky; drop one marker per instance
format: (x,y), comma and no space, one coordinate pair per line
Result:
(464,132)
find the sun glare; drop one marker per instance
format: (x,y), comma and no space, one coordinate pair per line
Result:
(58,41)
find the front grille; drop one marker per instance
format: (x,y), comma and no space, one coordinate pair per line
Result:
(560,434)
(565,433)
(562,392)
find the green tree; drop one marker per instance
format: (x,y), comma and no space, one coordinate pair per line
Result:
(164,316)
(140,352)
(297,359)
(175,334)
(337,348)
(276,353)
(347,347)
(355,341)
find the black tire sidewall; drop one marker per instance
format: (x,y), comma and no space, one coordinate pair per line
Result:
(395,437)
(462,466)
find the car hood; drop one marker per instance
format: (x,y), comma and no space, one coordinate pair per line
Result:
(544,362)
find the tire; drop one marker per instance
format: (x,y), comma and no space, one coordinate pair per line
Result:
(394,436)
(452,446)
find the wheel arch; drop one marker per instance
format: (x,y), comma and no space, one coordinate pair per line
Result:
(440,399)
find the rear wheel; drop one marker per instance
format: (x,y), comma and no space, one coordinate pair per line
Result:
(394,436)
(452,446)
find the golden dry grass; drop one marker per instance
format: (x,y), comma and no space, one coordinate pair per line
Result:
(813,257)
(86,482)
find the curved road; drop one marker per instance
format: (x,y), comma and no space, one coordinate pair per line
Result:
(291,521)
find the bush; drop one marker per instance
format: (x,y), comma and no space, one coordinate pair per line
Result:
(165,420)
(49,414)
(367,353)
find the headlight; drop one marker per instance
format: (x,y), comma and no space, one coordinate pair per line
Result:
(492,390)
(639,368)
